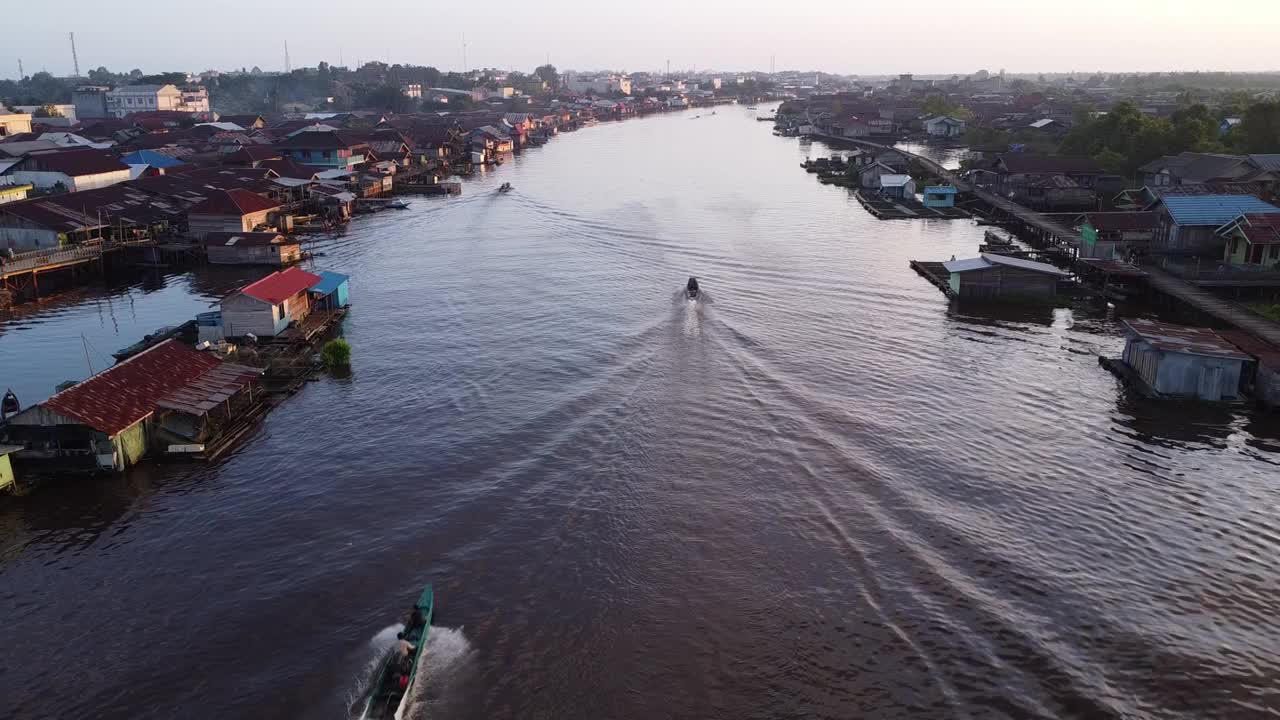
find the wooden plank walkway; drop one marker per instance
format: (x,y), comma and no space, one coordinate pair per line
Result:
(48,260)
(1224,310)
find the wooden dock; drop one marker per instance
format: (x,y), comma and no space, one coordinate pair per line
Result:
(885,208)
(935,273)
(444,188)
(1211,304)
(1053,230)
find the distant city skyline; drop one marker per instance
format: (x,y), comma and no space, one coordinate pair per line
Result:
(824,35)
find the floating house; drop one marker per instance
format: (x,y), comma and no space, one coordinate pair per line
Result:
(996,277)
(902,187)
(252,248)
(267,307)
(1112,235)
(237,211)
(167,394)
(944,126)
(939,196)
(330,293)
(1167,360)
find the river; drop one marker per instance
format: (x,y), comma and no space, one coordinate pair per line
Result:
(820,492)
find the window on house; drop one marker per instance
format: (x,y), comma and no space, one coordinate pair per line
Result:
(306,154)
(280,310)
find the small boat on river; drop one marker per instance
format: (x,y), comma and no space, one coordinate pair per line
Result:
(691,289)
(398,204)
(402,666)
(505,187)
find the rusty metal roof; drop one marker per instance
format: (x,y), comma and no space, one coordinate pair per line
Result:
(126,393)
(209,390)
(1184,339)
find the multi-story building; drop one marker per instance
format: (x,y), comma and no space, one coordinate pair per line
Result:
(130,99)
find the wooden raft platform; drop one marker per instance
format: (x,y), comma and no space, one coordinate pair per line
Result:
(884,208)
(935,273)
(444,188)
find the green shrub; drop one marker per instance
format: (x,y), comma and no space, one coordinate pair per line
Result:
(336,354)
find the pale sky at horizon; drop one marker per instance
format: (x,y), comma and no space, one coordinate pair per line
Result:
(841,37)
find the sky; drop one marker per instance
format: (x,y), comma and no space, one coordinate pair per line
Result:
(847,37)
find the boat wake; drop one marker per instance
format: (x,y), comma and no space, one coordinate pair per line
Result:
(379,645)
(450,659)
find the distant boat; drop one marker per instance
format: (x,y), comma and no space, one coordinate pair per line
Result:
(395,681)
(505,187)
(9,405)
(398,205)
(691,289)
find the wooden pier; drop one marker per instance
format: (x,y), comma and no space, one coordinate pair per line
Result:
(444,188)
(886,208)
(935,273)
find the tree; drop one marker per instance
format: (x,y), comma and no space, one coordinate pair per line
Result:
(47,111)
(549,75)
(1195,128)
(1259,130)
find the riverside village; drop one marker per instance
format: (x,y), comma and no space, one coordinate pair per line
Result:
(1113,192)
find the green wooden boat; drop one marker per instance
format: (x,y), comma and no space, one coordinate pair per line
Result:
(399,670)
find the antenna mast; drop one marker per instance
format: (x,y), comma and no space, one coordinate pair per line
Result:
(464,53)
(287,67)
(75,59)
(22,74)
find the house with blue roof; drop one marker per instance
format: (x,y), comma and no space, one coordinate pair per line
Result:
(140,160)
(939,196)
(1190,222)
(330,292)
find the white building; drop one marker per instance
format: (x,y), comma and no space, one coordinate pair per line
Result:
(13,123)
(69,170)
(599,85)
(149,98)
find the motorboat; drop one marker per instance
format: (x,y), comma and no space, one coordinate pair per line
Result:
(505,187)
(398,205)
(397,673)
(9,405)
(691,289)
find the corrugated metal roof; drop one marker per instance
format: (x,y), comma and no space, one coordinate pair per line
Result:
(123,394)
(329,282)
(1183,339)
(1266,162)
(209,390)
(990,260)
(966,265)
(894,180)
(940,189)
(280,286)
(1039,267)
(1216,210)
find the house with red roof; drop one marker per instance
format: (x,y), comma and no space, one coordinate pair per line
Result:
(236,210)
(169,394)
(267,307)
(69,170)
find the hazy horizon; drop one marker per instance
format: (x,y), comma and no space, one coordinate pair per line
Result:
(822,35)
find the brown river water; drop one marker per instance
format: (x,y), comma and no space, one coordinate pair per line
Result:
(821,492)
